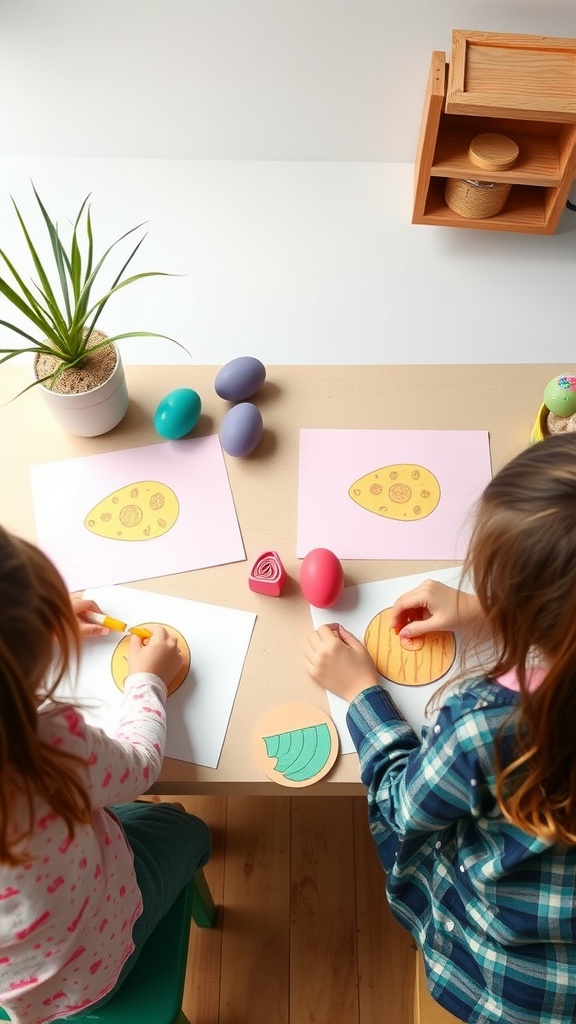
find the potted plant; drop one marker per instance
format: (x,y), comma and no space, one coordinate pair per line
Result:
(77,368)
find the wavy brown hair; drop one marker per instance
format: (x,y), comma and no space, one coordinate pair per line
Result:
(39,643)
(522,561)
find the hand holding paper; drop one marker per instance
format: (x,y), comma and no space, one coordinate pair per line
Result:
(338,661)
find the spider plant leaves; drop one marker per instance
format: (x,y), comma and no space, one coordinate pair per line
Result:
(45,282)
(76,261)
(99,305)
(60,302)
(82,313)
(9,353)
(28,311)
(141,334)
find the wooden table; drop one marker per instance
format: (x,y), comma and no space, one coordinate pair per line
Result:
(502,399)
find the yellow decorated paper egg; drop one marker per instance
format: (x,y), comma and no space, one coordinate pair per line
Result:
(404,491)
(140,511)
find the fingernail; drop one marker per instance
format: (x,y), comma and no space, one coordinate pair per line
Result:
(404,634)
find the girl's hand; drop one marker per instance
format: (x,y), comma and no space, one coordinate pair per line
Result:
(339,662)
(434,606)
(159,655)
(79,606)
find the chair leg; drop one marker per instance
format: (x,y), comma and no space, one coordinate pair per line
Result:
(203,907)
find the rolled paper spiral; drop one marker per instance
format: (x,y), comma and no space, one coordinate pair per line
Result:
(267,575)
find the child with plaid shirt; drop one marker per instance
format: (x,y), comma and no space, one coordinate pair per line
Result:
(475,821)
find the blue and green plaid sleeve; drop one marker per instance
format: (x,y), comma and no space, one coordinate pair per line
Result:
(415,784)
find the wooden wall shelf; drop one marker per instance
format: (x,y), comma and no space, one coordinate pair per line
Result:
(543,174)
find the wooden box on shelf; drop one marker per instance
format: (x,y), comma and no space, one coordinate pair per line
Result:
(525,76)
(484,93)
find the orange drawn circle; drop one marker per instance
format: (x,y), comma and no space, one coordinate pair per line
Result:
(120,657)
(408,662)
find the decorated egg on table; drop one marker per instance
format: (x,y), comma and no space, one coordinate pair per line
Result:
(240,379)
(178,413)
(560,395)
(241,429)
(321,577)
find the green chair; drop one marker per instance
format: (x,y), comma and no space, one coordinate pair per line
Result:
(152,992)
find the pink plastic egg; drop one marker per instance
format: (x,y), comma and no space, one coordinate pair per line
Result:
(321,577)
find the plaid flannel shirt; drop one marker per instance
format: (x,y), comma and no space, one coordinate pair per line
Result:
(493,909)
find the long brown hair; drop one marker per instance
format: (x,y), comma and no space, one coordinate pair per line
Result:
(38,636)
(522,562)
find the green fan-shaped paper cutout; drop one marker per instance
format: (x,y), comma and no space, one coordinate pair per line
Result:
(300,753)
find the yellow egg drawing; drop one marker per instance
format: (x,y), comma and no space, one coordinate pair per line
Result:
(140,511)
(120,658)
(405,491)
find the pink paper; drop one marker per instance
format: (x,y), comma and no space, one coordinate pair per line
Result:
(332,460)
(205,531)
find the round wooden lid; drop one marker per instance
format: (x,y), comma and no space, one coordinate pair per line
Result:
(493,152)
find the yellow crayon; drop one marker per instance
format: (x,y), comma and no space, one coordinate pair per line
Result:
(116,625)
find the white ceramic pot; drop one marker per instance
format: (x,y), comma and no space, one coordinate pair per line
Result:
(91,412)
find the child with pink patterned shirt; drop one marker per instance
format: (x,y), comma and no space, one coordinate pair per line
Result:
(84,877)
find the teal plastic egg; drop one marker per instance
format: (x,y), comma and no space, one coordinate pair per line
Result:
(560,395)
(178,413)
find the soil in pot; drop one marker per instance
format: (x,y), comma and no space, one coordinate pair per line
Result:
(94,370)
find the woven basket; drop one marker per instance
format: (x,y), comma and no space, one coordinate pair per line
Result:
(475,199)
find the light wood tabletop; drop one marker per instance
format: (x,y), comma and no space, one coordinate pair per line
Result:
(502,399)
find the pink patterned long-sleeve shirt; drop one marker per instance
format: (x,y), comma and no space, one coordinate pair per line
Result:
(66,914)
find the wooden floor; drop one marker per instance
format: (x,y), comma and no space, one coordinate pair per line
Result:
(304,934)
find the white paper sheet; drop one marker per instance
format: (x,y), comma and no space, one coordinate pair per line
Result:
(355,610)
(199,711)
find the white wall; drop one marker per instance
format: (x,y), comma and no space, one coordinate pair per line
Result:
(234,79)
(278,138)
(306,262)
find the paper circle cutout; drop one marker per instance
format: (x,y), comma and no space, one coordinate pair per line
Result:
(408,662)
(295,744)
(120,658)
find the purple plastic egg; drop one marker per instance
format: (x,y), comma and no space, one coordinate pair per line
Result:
(240,379)
(241,429)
